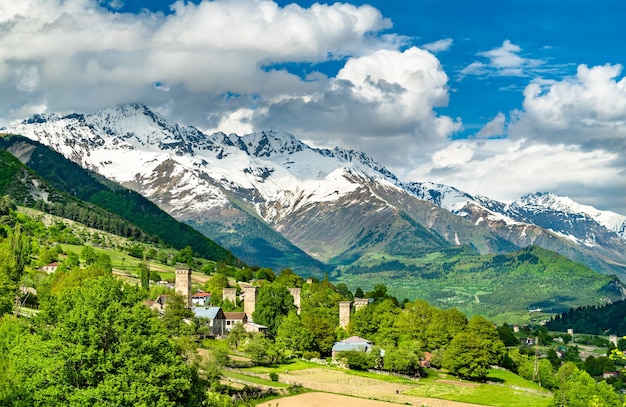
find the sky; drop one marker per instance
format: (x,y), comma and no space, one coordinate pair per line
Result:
(495,98)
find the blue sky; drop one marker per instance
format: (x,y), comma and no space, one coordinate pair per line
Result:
(496,98)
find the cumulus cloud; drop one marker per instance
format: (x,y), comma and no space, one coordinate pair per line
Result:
(217,46)
(588,109)
(382,102)
(569,137)
(223,66)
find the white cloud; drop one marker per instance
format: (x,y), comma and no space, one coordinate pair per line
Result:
(214,46)
(383,103)
(494,128)
(587,109)
(569,138)
(505,169)
(456,154)
(504,60)
(439,46)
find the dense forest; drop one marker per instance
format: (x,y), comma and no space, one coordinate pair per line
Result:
(594,320)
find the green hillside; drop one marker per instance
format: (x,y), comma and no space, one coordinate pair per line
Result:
(74,181)
(511,287)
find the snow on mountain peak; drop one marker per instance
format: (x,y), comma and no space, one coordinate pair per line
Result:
(547,200)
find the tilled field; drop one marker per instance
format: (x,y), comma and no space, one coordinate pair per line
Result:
(335,381)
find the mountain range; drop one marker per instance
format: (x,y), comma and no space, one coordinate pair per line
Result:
(276,202)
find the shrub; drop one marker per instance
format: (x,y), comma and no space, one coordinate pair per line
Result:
(274,376)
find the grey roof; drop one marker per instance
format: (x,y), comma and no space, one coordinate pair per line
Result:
(208,312)
(346,346)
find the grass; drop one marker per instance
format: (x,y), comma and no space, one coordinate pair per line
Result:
(298,364)
(254,379)
(511,391)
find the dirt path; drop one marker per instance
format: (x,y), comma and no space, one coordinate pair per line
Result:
(336,381)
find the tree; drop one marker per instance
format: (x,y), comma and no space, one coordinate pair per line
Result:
(356,360)
(175,314)
(88,254)
(236,335)
(273,303)
(97,345)
(104,261)
(289,279)
(577,389)
(473,351)
(507,336)
(144,275)
(402,361)
(216,285)
(293,336)
(262,351)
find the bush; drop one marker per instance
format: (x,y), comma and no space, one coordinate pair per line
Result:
(308,355)
(274,376)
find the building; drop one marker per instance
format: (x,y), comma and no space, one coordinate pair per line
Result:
(183,284)
(215,317)
(353,343)
(159,303)
(233,318)
(255,328)
(50,267)
(200,299)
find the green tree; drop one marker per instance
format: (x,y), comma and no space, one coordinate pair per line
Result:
(577,389)
(356,360)
(262,350)
(103,261)
(473,351)
(289,279)
(273,303)
(403,361)
(507,336)
(97,345)
(144,275)
(236,335)
(216,285)
(175,314)
(293,336)
(88,254)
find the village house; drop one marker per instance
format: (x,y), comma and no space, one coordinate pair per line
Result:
(159,303)
(233,318)
(200,299)
(50,267)
(353,343)
(255,328)
(215,317)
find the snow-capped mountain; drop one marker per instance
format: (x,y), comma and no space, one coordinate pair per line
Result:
(333,204)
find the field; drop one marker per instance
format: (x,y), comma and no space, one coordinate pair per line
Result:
(437,390)
(316,399)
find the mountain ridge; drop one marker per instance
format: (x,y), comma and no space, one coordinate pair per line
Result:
(280,180)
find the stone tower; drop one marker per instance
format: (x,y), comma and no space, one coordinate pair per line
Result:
(229,294)
(183,284)
(295,293)
(344,313)
(360,303)
(249,300)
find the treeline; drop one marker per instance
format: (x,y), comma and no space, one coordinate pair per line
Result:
(593,320)
(71,179)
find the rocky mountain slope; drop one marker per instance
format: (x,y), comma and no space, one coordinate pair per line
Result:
(273,200)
